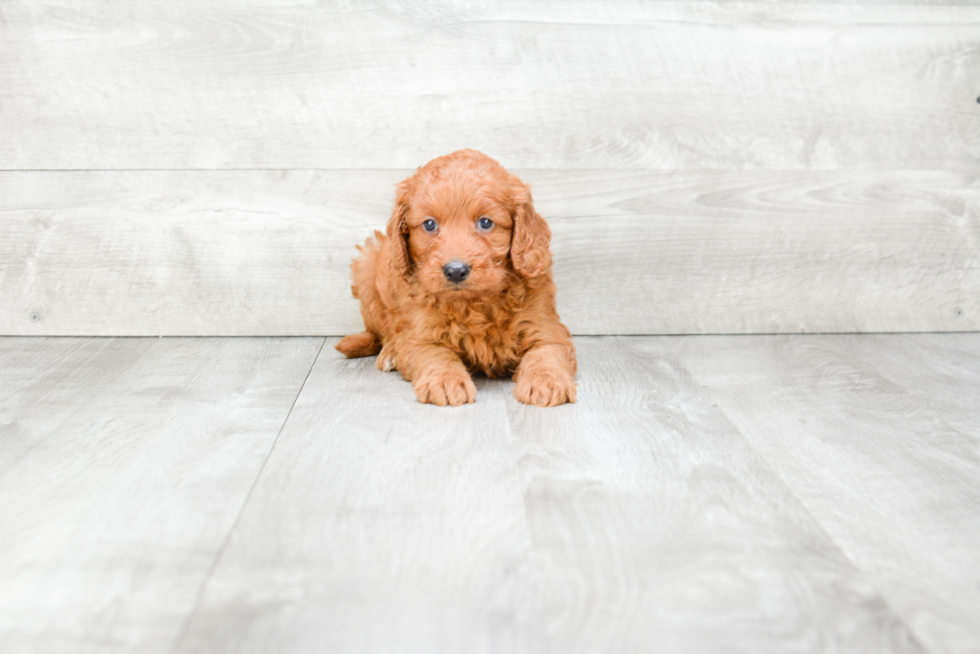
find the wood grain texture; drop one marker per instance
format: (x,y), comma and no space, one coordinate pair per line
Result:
(124,464)
(547,84)
(636,520)
(376,515)
(878,438)
(267,252)
(946,375)
(45,381)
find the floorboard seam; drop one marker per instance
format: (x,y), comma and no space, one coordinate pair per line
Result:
(234,525)
(764,460)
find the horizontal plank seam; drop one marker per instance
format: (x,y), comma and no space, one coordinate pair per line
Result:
(574,334)
(182,633)
(757,334)
(650,171)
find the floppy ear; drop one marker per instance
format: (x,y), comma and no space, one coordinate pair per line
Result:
(398,257)
(529,247)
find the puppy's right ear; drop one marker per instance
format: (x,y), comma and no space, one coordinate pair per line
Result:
(397,229)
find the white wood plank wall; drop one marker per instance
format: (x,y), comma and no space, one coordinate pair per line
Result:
(173,167)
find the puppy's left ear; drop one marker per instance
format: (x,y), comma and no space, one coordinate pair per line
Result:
(530,250)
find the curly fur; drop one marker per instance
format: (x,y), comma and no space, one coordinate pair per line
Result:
(500,321)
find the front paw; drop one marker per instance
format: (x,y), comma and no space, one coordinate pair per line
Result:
(544,387)
(445,387)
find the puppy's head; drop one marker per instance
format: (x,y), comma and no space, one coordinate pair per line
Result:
(466,227)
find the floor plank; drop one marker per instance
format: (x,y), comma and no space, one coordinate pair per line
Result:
(940,372)
(124,464)
(879,436)
(657,527)
(638,519)
(374,515)
(46,382)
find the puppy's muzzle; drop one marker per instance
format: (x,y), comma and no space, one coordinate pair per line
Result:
(456,271)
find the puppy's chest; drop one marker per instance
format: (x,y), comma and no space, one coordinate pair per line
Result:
(486,344)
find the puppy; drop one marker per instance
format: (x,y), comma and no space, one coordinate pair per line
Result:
(461,283)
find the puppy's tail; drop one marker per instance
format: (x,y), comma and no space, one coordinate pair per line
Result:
(365,344)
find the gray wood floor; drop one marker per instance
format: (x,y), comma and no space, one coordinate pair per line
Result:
(706,494)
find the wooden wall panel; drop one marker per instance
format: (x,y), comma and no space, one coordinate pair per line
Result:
(543,84)
(719,167)
(266,252)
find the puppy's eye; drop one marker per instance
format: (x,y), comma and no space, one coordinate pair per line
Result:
(484,224)
(429,225)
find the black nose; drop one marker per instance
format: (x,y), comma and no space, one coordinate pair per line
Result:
(456,271)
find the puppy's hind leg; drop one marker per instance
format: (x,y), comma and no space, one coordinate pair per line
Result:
(365,344)
(386,359)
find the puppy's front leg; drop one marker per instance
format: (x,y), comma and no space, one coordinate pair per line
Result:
(546,376)
(437,375)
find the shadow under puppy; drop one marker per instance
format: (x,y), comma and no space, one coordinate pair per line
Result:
(462,283)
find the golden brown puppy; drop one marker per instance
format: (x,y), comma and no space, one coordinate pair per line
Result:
(462,283)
